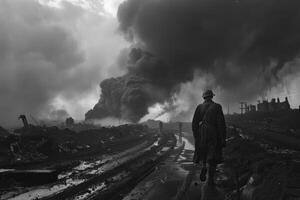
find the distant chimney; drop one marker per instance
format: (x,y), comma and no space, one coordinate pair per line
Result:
(278,100)
(286,99)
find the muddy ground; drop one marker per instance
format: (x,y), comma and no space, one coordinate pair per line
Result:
(261,161)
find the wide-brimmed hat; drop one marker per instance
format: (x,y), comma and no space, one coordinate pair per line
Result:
(208,93)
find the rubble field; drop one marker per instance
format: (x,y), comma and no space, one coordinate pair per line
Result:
(105,176)
(261,161)
(55,150)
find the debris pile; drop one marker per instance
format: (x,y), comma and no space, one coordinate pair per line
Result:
(37,144)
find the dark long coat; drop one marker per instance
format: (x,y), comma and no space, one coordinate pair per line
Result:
(209,131)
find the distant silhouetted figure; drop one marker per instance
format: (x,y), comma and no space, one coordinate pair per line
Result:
(209,131)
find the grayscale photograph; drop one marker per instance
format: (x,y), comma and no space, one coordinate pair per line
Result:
(149,100)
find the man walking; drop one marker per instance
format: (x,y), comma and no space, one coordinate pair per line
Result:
(209,130)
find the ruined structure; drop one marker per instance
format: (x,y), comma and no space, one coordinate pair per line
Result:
(252,108)
(245,108)
(266,106)
(273,105)
(70,121)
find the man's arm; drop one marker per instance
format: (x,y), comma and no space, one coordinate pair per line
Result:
(221,125)
(195,122)
(195,127)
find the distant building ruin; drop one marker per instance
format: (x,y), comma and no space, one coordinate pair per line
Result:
(273,105)
(266,106)
(70,121)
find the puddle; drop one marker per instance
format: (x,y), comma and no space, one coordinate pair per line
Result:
(89,192)
(71,177)
(188,145)
(46,191)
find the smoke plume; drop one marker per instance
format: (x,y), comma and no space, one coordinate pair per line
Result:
(128,97)
(244,45)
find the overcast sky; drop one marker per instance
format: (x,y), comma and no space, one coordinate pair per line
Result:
(54,53)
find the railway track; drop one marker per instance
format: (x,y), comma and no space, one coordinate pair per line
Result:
(102,177)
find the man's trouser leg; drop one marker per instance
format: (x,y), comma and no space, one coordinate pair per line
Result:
(204,168)
(211,172)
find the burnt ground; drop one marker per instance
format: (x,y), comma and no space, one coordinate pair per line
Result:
(251,170)
(260,162)
(61,150)
(45,145)
(267,147)
(106,176)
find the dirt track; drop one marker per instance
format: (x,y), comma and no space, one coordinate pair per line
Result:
(100,177)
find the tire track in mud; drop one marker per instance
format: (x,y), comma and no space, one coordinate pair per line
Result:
(115,168)
(80,173)
(134,172)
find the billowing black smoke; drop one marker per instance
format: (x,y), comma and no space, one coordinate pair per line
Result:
(243,44)
(123,97)
(128,97)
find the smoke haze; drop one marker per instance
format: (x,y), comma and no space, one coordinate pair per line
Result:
(52,57)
